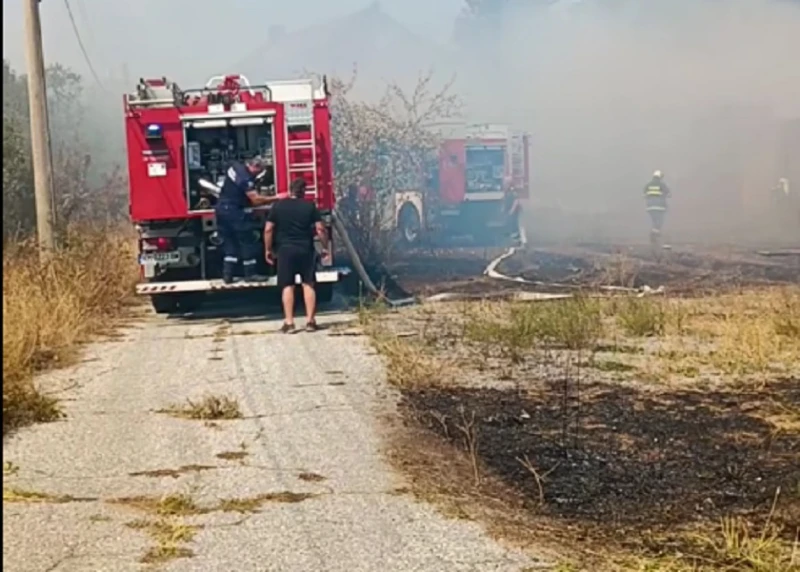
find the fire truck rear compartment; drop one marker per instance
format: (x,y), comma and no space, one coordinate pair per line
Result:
(211,144)
(180,145)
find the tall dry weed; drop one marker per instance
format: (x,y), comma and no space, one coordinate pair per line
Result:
(50,308)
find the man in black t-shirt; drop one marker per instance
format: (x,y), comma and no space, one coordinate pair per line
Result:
(291,225)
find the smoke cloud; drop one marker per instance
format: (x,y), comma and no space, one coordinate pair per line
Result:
(611,91)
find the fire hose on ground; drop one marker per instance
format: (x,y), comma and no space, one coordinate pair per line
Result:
(490,271)
(359,266)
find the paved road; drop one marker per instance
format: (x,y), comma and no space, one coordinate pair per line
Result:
(310,405)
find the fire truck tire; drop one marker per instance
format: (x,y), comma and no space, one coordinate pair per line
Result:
(324,293)
(164,303)
(409,224)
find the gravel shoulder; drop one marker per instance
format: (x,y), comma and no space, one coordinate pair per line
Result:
(298,482)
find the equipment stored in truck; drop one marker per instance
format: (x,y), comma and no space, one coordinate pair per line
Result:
(182,143)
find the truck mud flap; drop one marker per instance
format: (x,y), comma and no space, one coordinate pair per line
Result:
(323,277)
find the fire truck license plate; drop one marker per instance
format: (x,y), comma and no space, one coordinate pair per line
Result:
(160,257)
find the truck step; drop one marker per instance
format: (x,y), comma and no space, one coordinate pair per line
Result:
(329,275)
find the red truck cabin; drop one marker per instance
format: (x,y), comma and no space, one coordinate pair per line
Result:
(483,165)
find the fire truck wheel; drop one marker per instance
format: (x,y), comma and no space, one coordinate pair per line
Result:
(409,224)
(164,303)
(324,293)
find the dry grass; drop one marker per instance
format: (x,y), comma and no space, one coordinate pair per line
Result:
(574,323)
(252,505)
(409,365)
(165,520)
(208,408)
(169,537)
(177,504)
(743,339)
(642,317)
(173,473)
(735,546)
(49,310)
(165,524)
(22,496)
(751,336)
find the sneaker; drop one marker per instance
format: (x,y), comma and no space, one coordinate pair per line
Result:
(287,328)
(312,326)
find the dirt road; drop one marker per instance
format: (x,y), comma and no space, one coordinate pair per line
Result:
(295,481)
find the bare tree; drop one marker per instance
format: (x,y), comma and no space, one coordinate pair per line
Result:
(380,148)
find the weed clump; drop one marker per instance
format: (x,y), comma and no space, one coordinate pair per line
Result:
(209,408)
(169,505)
(574,323)
(169,537)
(642,317)
(787,314)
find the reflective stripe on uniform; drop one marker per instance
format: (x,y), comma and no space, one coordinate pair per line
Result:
(250,262)
(231,259)
(656,208)
(654,191)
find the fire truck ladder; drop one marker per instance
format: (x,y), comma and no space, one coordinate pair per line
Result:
(301,148)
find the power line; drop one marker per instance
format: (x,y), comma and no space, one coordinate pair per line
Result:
(83,16)
(80,44)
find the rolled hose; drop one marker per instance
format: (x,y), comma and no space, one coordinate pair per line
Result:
(359,266)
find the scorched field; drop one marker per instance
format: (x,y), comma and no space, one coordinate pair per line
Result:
(644,417)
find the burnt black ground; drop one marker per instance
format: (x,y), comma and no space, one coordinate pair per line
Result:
(686,270)
(691,270)
(623,464)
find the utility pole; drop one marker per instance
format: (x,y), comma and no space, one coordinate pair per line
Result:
(40,132)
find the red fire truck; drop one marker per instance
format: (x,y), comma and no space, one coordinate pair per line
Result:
(479,172)
(179,145)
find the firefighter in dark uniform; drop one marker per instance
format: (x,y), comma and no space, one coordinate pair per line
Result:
(656,194)
(234,224)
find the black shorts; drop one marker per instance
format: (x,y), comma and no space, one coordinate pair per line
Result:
(292,261)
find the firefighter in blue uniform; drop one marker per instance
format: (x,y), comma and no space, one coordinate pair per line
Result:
(656,194)
(234,224)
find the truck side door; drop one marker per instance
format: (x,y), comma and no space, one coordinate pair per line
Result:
(452,176)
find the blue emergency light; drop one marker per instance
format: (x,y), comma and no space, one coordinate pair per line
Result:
(154,131)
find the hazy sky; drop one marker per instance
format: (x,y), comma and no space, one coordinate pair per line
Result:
(183,38)
(609,91)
